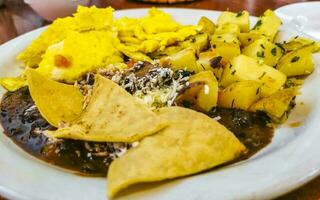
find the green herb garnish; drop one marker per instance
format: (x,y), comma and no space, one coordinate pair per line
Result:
(260,54)
(258,24)
(274,51)
(239,14)
(295,59)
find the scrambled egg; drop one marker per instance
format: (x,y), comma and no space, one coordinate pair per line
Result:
(79,53)
(85,19)
(91,39)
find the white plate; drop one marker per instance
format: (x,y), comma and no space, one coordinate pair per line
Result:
(303,16)
(289,161)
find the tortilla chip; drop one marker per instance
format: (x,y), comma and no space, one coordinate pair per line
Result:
(192,143)
(12,84)
(57,102)
(112,115)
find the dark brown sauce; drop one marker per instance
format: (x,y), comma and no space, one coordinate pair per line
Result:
(20,125)
(23,123)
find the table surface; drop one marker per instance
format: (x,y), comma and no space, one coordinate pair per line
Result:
(17,18)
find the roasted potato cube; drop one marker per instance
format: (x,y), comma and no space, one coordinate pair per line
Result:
(185,60)
(228,28)
(245,68)
(296,63)
(207,26)
(267,25)
(198,42)
(240,95)
(248,38)
(299,42)
(188,96)
(277,105)
(208,96)
(227,45)
(264,51)
(241,19)
(212,61)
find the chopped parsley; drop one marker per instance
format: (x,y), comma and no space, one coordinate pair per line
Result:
(263,74)
(186,104)
(258,24)
(262,46)
(295,59)
(258,91)
(281,47)
(274,51)
(239,14)
(260,54)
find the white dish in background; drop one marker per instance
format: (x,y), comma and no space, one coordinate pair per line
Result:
(303,16)
(52,9)
(288,162)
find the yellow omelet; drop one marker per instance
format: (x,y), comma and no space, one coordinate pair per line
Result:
(85,19)
(79,53)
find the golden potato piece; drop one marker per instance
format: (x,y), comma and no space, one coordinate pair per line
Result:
(240,95)
(192,143)
(112,115)
(57,102)
(277,105)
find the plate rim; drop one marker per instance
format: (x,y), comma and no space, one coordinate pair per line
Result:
(281,189)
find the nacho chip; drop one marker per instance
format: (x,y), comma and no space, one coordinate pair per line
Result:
(112,115)
(192,143)
(57,102)
(12,84)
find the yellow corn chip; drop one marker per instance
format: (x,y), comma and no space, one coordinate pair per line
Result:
(12,84)
(57,102)
(112,115)
(192,143)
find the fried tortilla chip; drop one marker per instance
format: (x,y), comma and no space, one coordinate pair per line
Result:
(57,102)
(193,142)
(112,115)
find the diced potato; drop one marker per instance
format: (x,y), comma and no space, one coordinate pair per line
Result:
(199,42)
(264,51)
(248,38)
(208,96)
(268,25)
(228,28)
(226,45)
(212,61)
(206,25)
(245,68)
(296,63)
(185,60)
(299,42)
(240,95)
(240,18)
(277,105)
(188,96)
